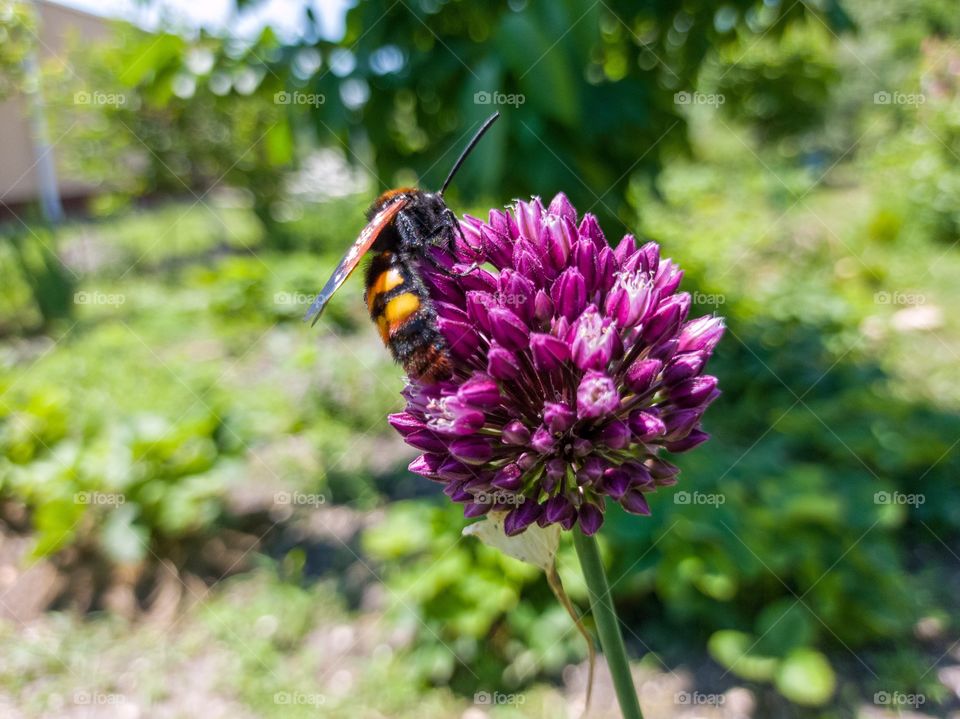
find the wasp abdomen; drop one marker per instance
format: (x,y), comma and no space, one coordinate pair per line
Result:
(401,308)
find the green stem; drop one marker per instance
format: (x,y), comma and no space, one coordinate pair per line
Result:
(608,627)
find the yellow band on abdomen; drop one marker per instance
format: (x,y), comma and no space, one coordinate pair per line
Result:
(384,282)
(400,308)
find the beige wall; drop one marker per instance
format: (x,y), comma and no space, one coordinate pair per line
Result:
(18,177)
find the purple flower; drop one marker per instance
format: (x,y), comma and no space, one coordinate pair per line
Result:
(596,340)
(597,396)
(574,367)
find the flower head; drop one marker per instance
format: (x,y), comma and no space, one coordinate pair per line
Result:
(574,367)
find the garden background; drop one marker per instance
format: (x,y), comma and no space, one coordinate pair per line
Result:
(202,508)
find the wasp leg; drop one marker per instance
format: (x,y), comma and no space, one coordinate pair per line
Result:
(455,223)
(472,268)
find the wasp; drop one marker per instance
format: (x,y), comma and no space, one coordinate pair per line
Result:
(403,225)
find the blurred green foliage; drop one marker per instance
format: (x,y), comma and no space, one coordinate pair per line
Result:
(587,91)
(17,32)
(163,114)
(154,394)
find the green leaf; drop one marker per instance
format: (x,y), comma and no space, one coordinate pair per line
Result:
(279,144)
(784,626)
(122,540)
(736,651)
(540,68)
(56,524)
(806,677)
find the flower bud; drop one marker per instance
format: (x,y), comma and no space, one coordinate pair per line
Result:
(502,363)
(560,206)
(516,432)
(462,339)
(475,509)
(557,508)
(666,319)
(626,249)
(560,235)
(548,351)
(591,471)
(646,425)
(497,246)
(471,450)
(503,223)
(701,334)
(694,439)
(522,517)
(680,422)
(586,260)
(528,219)
(558,417)
(596,396)
(426,465)
(508,478)
(591,518)
(635,503)
(695,391)
(683,367)
(590,228)
(595,341)
(405,423)
(479,391)
(641,374)
(543,441)
(615,435)
(427,441)
(542,307)
(569,293)
(508,329)
(616,482)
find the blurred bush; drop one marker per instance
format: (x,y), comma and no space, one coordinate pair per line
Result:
(17,32)
(165,114)
(587,92)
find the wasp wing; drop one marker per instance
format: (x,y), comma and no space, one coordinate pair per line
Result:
(350,260)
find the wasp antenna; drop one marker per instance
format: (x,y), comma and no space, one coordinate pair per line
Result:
(466,151)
